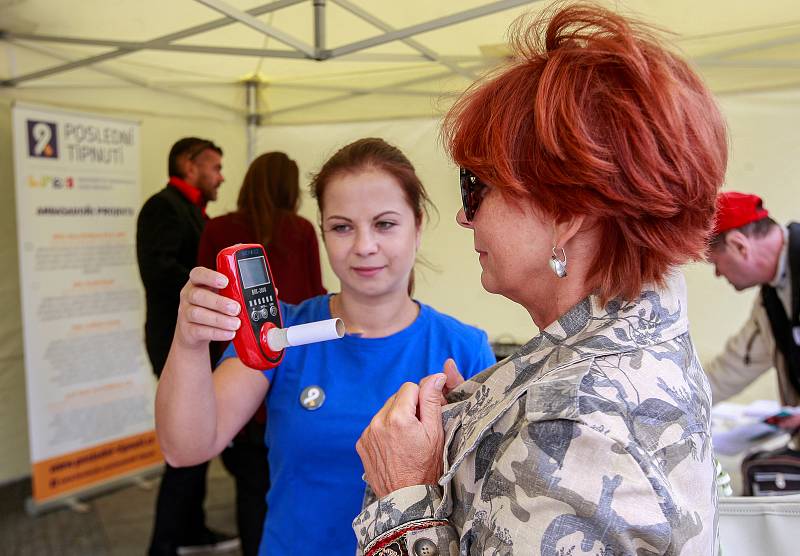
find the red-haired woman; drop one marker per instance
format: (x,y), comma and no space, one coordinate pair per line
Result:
(590,167)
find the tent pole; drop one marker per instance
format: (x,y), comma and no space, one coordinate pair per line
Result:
(253,118)
(426,26)
(255,23)
(162,40)
(319,27)
(426,52)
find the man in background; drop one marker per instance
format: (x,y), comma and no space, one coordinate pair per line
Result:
(167,237)
(750,249)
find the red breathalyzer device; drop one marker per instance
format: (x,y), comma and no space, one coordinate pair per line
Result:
(250,283)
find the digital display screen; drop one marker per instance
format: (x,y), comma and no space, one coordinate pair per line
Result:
(253,271)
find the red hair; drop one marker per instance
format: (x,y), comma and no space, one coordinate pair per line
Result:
(595,117)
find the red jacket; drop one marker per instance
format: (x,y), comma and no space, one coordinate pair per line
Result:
(293,253)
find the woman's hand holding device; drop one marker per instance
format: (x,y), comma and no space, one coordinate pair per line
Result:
(204,315)
(261,338)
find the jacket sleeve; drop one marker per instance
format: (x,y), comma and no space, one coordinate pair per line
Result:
(396,522)
(557,494)
(159,235)
(747,354)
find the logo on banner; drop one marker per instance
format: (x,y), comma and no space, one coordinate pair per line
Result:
(42,139)
(56,182)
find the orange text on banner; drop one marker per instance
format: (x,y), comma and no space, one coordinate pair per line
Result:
(62,474)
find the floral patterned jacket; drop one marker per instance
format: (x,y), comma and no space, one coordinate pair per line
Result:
(594,438)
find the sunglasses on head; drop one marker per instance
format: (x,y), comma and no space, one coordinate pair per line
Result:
(472,189)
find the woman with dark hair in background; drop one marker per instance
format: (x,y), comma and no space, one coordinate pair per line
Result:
(589,171)
(372,206)
(266,214)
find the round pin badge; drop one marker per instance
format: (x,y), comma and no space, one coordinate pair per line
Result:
(312,397)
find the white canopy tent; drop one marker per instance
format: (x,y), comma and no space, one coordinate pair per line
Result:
(305,76)
(317,61)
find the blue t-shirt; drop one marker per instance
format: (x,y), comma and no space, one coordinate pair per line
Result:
(316,487)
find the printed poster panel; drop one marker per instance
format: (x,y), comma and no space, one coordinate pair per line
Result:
(89,385)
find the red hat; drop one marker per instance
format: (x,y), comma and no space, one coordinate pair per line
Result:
(735,210)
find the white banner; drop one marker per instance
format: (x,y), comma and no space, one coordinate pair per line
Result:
(89,386)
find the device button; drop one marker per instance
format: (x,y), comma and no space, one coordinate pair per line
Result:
(255,315)
(273,310)
(264,313)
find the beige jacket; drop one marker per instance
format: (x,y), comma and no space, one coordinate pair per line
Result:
(593,438)
(752,350)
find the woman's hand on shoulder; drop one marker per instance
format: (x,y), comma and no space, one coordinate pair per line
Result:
(204,315)
(402,446)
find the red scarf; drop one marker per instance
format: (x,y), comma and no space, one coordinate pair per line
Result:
(192,194)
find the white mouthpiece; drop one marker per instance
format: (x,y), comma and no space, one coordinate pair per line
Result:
(320,331)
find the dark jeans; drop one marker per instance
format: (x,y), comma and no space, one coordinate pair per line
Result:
(246,460)
(180,518)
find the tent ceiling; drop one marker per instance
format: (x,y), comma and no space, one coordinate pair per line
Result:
(190,57)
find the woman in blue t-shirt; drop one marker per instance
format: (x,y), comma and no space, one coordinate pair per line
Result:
(323,395)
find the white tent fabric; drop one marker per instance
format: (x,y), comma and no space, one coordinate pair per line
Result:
(187,57)
(148,67)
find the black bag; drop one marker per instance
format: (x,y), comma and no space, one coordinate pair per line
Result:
(772,472)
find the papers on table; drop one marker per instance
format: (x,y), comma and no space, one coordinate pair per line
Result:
(737,428)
